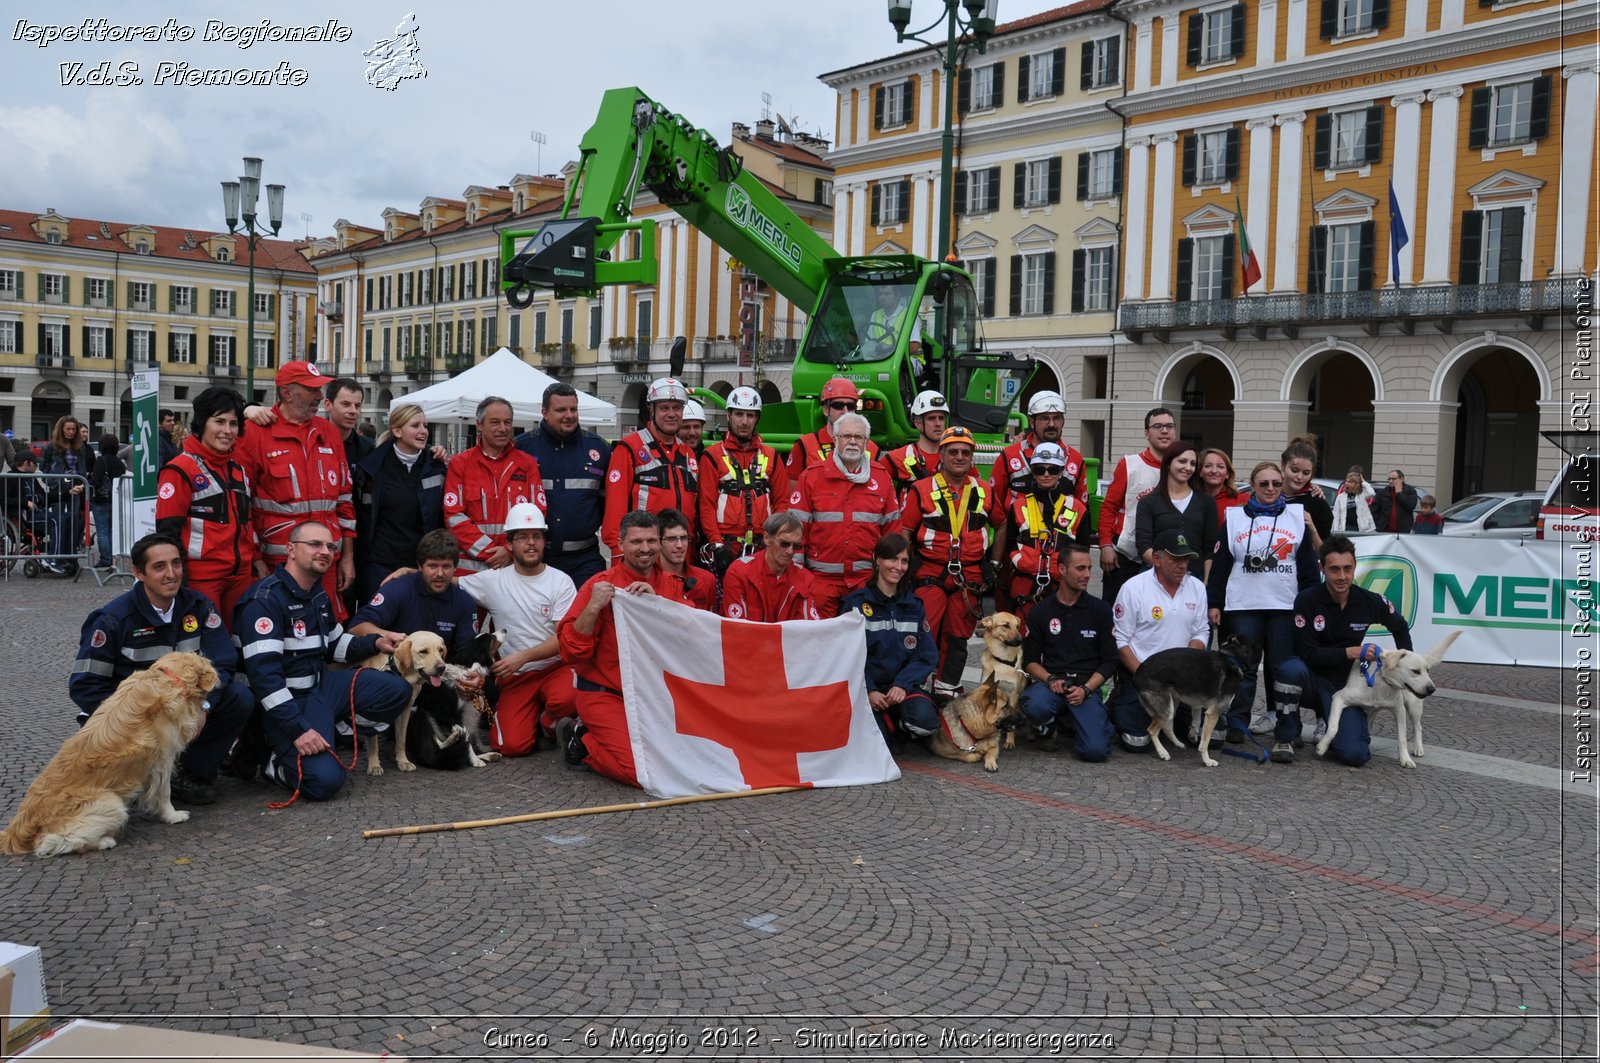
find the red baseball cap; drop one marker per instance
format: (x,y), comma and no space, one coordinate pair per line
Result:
(305,373)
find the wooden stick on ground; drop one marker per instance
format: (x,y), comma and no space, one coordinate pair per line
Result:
(567,813)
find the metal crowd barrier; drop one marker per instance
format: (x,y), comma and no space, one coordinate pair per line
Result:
(44,527)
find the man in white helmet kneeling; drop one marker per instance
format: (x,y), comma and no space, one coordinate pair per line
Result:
(526,600)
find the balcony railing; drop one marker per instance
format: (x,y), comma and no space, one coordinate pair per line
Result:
(458,362)
(1441,305)
(333,311)
(419,367)
(54,361)
(225,369)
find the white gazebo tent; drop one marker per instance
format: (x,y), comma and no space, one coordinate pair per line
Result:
(455,401)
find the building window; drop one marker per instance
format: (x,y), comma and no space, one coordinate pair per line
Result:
(10,337)
(1346,140)
(141,345)
(469,281)
(1355,16)
(263,306)
(140,295)
(223,254)
(221,303)
(1341,257)
(823,191)
(182,299)
(1511,114)
(52,237)
(1035,282)
(1344,258)
(891,202)
(181,348)
(96,342)
(1213,158)
(1091,279)
(1216,35)
(1102,63)
(142,247)
(221,351)
(1350,138)
(1492,245)
(94,290)
(1205,268)
(10,284)
(982,270)
(1036,190)
(263,353)
(594,325)
(892,104)
(1100,174)
(982,193)
(514,338)
(1041,76)
(538,329)
(983,97)
(52,285)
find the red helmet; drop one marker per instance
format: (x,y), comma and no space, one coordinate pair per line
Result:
(840,388)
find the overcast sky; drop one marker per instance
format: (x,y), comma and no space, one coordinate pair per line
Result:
(496,72)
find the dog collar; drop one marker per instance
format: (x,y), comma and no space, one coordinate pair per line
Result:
(969,746)
(1370,669)
(1014,663)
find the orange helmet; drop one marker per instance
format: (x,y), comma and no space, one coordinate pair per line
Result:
(840,388)
(956,434)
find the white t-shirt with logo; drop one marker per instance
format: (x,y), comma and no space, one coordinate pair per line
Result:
(526,608)
(1147,619)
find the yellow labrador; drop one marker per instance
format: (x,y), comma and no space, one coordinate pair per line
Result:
(420,661)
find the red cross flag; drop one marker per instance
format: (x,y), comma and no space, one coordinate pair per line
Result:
(717,705)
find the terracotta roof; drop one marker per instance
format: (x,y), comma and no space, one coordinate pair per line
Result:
(486,220)
(1055,14)
(786,150)
(169,242)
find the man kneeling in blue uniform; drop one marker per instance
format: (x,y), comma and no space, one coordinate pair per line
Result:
(1070,652)
(286,626)
(1330,631)
(158,616)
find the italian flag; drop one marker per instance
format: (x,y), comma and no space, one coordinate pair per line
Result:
(1247,254)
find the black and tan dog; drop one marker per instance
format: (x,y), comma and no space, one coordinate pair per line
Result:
(972,726)
(444,735)
(1204,680)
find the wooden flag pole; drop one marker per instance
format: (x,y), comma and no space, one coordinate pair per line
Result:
(567,813)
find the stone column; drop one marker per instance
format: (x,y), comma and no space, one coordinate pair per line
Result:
(1135,234)
(1166,187)
(923,210)
(1291,159)
(1143,45)
(860,195)
(1407,130)
(1452,15)
(1419,438)
(1441,227)
(1171,47)
(1262,426)
(1577,169)
(1258,198)
(1296,45)
(1266,32)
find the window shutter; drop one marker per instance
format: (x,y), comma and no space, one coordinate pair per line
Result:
(993,202)
(1369,243)
(172,298)
(1322,143)
(66,287)
(960,194)
(1114,61)
(1016,290)
(1185,270)
(66,341)
(1086,71)
(1539,116)
(1239,12)
(1374,143)
(233,350)
(903,210)
(964,92)
(1019,183)
(1022,78)
(1330,19)
(41,288)
(1055,180)
(172,347)
(1116,173)
(879,95)
(999,84)
(1380,14)
(1228,263)
(272,353)
(1083,176)
(85,332)
(1478,129)
(1317,261)
(988,287)
(272,307)
(1511,226)
(1471,269)
(129,338)
(1080,268)
(877,204)
(1197,32)
(1231,170)
(1058,71)
(1049,305)
(909,116)
(1190,145)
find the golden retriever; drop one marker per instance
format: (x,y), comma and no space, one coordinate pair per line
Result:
(419,660)
(127,748)
(970,726)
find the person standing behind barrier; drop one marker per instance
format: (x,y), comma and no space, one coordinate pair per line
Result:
(1352,507)
(901,653)
(1136,475)
(68,454)
(1174,504)
(572,463)
(846,503)
(203,503)
(1393,506)
(742,483)
(1262,561)
(399,497)
(107,468)
(1427,520)
(1070,652)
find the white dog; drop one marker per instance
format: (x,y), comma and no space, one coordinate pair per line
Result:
(1402,682)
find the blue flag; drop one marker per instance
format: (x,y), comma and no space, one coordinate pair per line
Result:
(1398,237)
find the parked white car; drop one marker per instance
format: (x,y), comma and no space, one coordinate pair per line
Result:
(1494,515)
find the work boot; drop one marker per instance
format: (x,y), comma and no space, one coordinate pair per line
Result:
(188,790)
(569,739)
(1047,739)
(1283,753)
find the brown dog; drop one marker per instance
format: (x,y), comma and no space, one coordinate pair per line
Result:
(127,748)
(970,727)
(419,660)
(1002,659)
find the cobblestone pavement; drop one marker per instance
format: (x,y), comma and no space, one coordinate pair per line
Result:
(1127,909)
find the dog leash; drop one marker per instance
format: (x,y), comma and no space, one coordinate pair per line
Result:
(1243,754)
(355,752)
(1375,665)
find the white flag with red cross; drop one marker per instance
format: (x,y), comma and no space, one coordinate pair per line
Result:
(717,705)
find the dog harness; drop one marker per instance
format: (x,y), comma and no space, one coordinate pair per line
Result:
(1370,669)
(970,745)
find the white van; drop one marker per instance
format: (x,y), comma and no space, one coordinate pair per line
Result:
(1570,512)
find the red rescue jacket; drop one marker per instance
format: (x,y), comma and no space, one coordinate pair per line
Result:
(594,656)
(651,475)
(297,472)
(478,493)
(740,487)
(949,526)
(751,592)
(203,501)
(843,520)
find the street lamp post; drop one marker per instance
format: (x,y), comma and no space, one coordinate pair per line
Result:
(237,196)
(979,21)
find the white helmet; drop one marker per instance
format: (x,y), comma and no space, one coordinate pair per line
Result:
(667,389)
(1046,402)
(524,516)
(693,411)
(1048,454)
(928,402)
(744,398)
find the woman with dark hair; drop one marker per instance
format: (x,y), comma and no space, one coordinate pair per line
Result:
(1217,479)
(203,502)
(107,468)
(1299,466)
(901,653)
(1176,505)
(399,496)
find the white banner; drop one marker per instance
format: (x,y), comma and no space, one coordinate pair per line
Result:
(1515,601)
(717,705)
(146,394)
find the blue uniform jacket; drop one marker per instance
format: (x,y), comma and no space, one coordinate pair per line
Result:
(287,634)
(367,490)
(405,605)
(900,648)
(574,474)
(127,635)
(1323,631)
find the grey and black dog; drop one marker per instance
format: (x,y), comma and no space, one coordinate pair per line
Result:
(1204,680)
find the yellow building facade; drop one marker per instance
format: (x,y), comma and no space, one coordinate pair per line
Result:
(84,303)
(1332,127)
